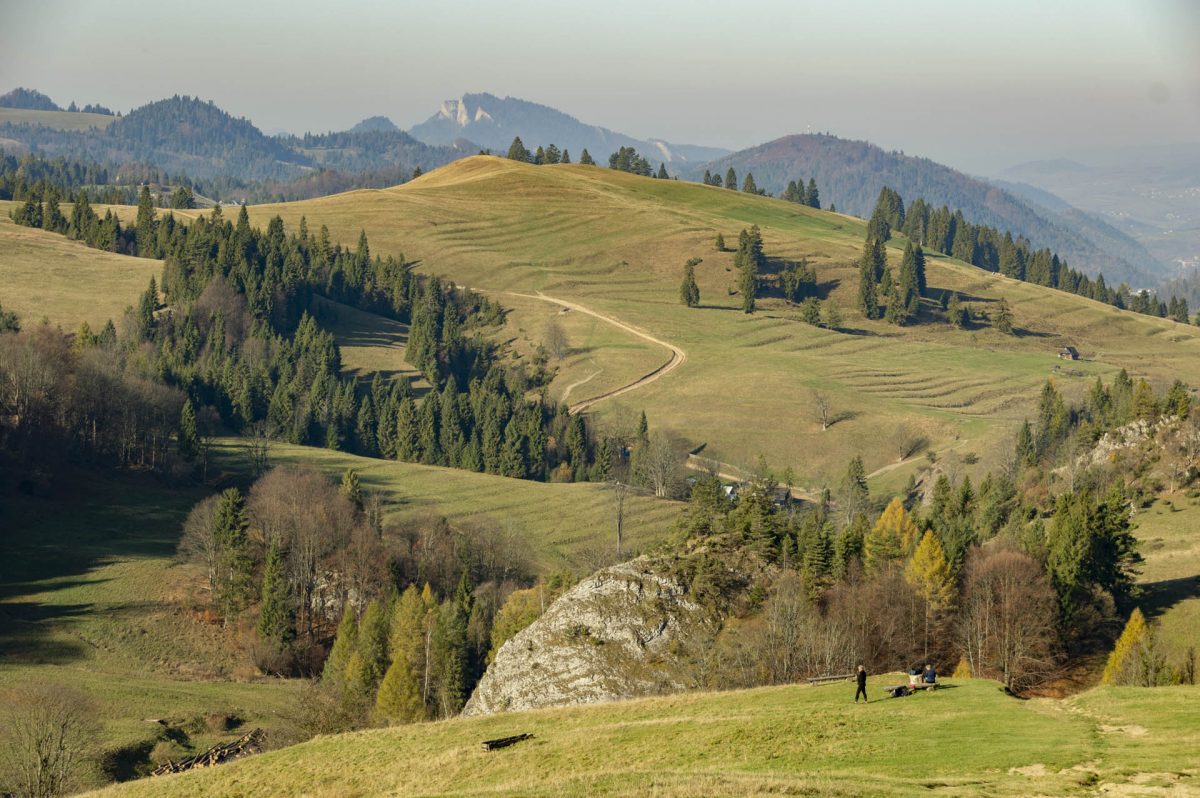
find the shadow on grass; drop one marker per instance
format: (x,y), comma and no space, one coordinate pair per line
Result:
(1158,597)
(52,544)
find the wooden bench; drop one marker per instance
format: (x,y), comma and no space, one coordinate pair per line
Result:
(505,742)
(826,679)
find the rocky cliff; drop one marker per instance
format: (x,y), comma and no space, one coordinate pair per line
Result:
(625,631)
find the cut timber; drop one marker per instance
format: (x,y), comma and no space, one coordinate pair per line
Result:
(250,743)
(504,742)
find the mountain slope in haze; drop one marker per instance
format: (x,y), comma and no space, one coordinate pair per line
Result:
(494,122)
(29,99)
(851,173)
(196,138)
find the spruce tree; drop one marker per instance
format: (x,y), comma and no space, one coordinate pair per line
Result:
(586,159)
(351,487)
(689,292)
(145,312)
(518,152)
(188,435)
(720,243)
(276,621)
(731,179)
(748,185)
(833,316)
(868,300)
(231,531)
(812,197)
(408,447)
(145,225)
(662,172)
(345,645)
(1004,317)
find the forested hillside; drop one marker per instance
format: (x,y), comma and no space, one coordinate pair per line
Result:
(851,174)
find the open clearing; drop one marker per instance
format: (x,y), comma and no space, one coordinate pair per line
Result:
(971,740)
(58,120)
(45,275)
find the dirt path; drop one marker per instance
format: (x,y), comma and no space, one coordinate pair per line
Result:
(731,473)
(678,356)
(567,392)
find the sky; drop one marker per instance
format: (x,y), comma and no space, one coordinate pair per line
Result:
(977,85)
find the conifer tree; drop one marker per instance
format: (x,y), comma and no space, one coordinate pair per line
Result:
(345,645)
(1004,317)
(868,301)
(929,574)
(351,487)
(662,172)
(402,694)
(689,292)
(854,494)
(833,316)
(892,537)
(586,159)
(518,152)
(566,155)
(720,243)
(236,565)
(188,434)
(812,197)
(373,636)
(731,179)
(276,620)
(956,313)
(748,185)
(408,447)
(145,225)
(145,313)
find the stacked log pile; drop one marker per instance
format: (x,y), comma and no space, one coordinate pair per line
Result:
(250,743)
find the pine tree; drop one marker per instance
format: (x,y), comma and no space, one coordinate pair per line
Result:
(518,152)
(662,172)
(188,437)
(373,636)
(689,292)
(833,316)
(566,155)
(720,244)
(748,185)
(408,447)
(145,313)
(956,313)
(812,196)
(585,159)
(276,621)
(731,179)
(145,225)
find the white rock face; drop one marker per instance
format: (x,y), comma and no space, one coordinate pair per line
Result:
(611,636)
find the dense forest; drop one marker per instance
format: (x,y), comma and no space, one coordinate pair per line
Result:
(851,174)
(233,326)
(950,233)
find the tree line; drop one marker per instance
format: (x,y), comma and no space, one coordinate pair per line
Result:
(984,246)
(234,324)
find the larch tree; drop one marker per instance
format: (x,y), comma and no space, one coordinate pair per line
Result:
(891,538)
(929,574)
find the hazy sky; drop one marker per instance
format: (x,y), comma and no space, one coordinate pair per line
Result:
(977,85)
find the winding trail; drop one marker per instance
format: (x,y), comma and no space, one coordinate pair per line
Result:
(678,356)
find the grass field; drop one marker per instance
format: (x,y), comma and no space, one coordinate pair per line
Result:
(1169,532)
(616,244)
(971,740)
(45,275)
(567,526)
(59,120)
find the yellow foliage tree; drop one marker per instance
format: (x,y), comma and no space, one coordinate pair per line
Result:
(929,574)
(891,538)
(401,696)
(1123,658)
(963,670)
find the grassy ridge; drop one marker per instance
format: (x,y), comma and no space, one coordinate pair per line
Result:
(567,526)
(617,243)
(47,275)
(967,741)
(57,120)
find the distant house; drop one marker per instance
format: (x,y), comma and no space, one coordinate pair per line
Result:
(1068,353)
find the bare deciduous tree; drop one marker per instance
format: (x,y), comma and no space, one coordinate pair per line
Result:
(1007,626)
(199,543)
(821,407)
(906,442)
(659,463)
(556,340)
(46,737)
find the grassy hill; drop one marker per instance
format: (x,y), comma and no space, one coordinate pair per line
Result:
(616,243)
(56,120)
(47,275)
(971,740)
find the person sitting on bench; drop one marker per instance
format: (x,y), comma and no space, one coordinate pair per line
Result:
(914,676)
(930,676)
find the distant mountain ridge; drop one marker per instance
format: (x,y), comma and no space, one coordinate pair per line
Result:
(850,174)
(188,136)
(493,122)
(28,99)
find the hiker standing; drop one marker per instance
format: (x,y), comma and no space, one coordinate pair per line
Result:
(861,676)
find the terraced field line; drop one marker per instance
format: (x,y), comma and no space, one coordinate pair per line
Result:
(678,356)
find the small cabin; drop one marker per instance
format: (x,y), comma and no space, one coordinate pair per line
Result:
(1068,353)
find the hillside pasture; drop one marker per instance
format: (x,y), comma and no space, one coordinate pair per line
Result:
(971,740)
(56,120)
